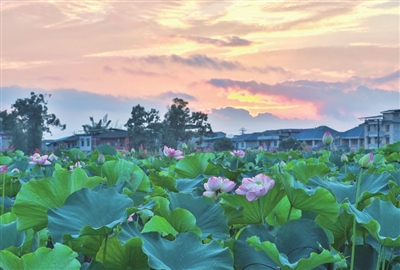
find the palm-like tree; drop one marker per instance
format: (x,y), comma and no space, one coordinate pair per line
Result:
(96,128)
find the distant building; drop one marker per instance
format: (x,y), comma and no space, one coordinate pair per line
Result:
(208,141)
(5,141)
(382,129)
(116,138)
(313,137)
(352,139)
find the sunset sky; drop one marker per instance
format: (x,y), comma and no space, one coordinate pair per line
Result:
(253,64)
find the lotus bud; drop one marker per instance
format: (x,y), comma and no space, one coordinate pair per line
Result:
(3,169)
(184,146)
(344,158)
(367,160)
(133,150)
(282,165)
(327,138)
(101,159)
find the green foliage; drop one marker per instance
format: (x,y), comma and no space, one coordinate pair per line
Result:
(290,144)
(124,213)
(28,121)
(96,128)
(223,144)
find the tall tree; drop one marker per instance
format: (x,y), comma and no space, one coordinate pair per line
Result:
(28,121)
(96,128)
(144,128)
(181,126)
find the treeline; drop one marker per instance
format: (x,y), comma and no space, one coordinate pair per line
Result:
(29,120)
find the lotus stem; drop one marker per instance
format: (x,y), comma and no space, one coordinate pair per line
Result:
(261,212)
(3,192)
(378,264)
(290,212)
(384,258)
(354,236)
(105,250)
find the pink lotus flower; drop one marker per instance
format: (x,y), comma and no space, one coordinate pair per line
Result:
(367,160)
(3,169)
(327,138)
(255,187)
(37,159)
(216,185)
(238,153)
(172,153)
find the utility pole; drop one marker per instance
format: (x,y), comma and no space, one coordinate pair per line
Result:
(378,132)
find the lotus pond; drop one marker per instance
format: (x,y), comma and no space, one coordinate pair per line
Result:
(229,210)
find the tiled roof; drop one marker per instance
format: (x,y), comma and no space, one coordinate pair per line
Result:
(315,133)
(112,134)
(246,137)
(357,132)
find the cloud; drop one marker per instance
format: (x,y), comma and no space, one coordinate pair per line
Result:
(108,69)
(50,78)
(170,95)
(233,119)
(140,72)
(337,100)
(230,41)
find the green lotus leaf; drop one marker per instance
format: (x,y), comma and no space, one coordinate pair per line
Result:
(5,160)
(341,228)
(60,257)
(314,260)
(209,215)
(10,236)
(106,149)
(365,257)
(165,181)
(193,166)
(392,148)
(250,211)
(36,197)
(128,256)
(304,171)
(75,154)
(245,256)
(171,222)
(185,252)
(227,172)
(318,200)
(161,225)
(299,244)
(117,171)
(380,218)
(279,215)
(371,184)
(88,212)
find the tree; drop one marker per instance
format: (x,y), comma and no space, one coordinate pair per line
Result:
(144,128)
(96,128)
(181,126)
(223,144)
(28,121)
(289,143)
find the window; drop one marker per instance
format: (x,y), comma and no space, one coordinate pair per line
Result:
(82,143)
(242,144)
(387,140)
(87,142)
(369,128)
(387,128)
(369,140)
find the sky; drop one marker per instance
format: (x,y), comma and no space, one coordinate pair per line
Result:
(256,65)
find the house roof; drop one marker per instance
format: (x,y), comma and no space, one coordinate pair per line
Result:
(246,137)
(215,136)
(392,111)
(314,133)
(112,133)
(356,132)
